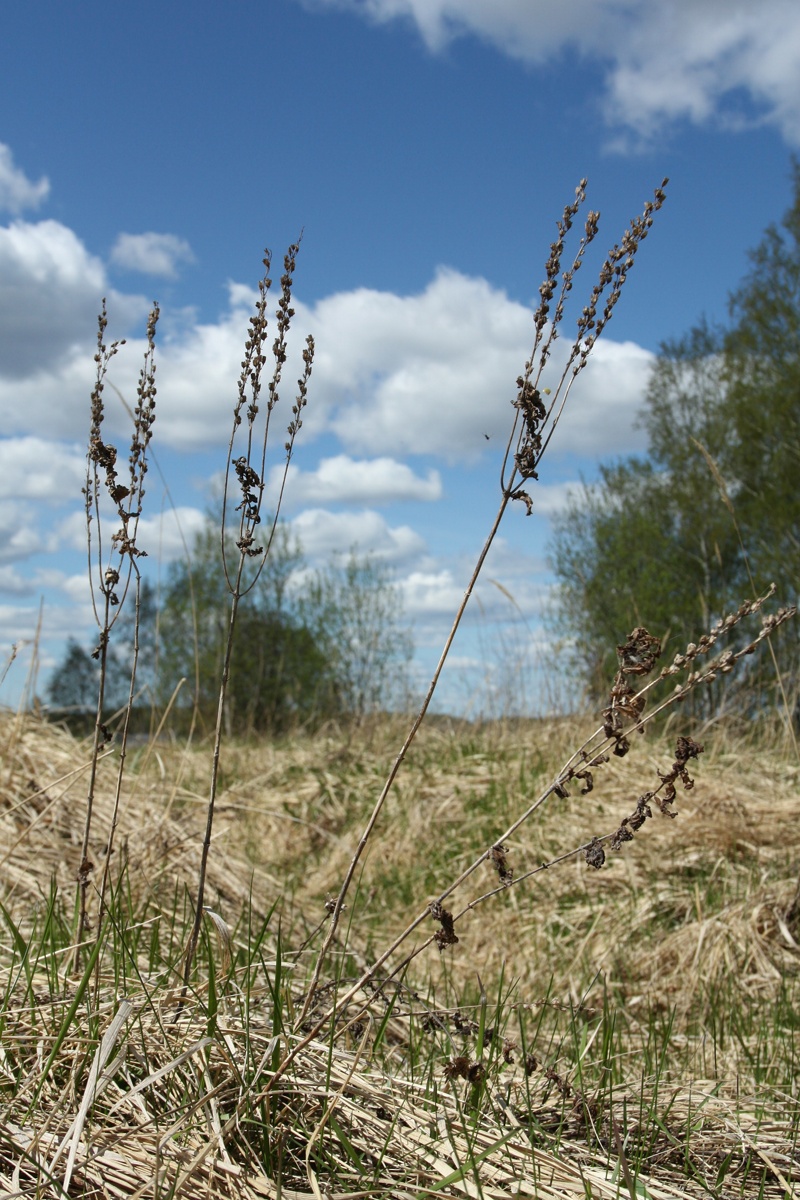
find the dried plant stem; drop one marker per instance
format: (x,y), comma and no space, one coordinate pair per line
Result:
(98,740)
(191,948)
(251,485)
(123,753)
(113,575)
(398,762)
(524,448)
(603,740)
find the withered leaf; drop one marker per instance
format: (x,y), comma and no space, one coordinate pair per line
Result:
(594,854)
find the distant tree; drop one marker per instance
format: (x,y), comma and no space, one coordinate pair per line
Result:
(762,356)
(308,645)
(74,682)
(653,541)
(355,612)
(279,674)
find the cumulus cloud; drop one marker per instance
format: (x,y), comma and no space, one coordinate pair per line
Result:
(14,584)
(50,292)
(428,373)
(20,537)
(551,498)
(602,409)
(662,62)
(33,468)
(322,533)
(17,192)
(435,372)
(344,480)
(431,593)
(431,372)
(164,537)
(151,253)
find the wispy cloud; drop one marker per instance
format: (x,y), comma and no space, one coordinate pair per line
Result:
(429,373)
(322,534)
(151,253)
(662,62)
(345,480)
(17,192)
(34,468)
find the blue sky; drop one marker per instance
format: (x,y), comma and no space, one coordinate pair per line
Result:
(426,147)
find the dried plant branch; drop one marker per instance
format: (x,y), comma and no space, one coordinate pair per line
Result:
(526,444)
(251,483)
(637,656)
(112,574)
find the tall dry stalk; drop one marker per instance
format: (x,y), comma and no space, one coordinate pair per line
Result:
(112,569)
(625,715)
(250,471)
(534,422)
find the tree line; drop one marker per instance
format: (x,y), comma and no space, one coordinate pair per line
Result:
(310,645)
(675,538)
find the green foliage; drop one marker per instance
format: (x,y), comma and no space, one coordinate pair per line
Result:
(763,363)
(74,682)
(307,646)
(278,674)
(672,540)
(355,612)
(73,686)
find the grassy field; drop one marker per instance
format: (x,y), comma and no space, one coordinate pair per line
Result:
(520,959)
(628,1031)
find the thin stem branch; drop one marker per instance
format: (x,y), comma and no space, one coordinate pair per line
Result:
(191,948)
(412,733)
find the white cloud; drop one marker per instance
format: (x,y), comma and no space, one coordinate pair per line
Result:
(151,253)
(428,373)
(662,61)
(550,498)
(50,293)
(323,533)
(344,480)
(76,587)
(434,373)
(35,469)
(602,408)
(161,537)
(166,536)
(431,373)
(14,584)
(17,625)
(431,593)
(19,536)
(17,192)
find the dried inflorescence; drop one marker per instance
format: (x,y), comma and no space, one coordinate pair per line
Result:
(595,854)
(250,467)
(461,1068)
(498,856)
(637,656)
(528,441)
(663,796)
(446,936)
(111,570)
(102,459)
(614,273)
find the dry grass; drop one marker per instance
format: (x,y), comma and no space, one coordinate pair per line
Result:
(617,985)
(254,1010)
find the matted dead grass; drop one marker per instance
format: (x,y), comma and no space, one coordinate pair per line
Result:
(689,908)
